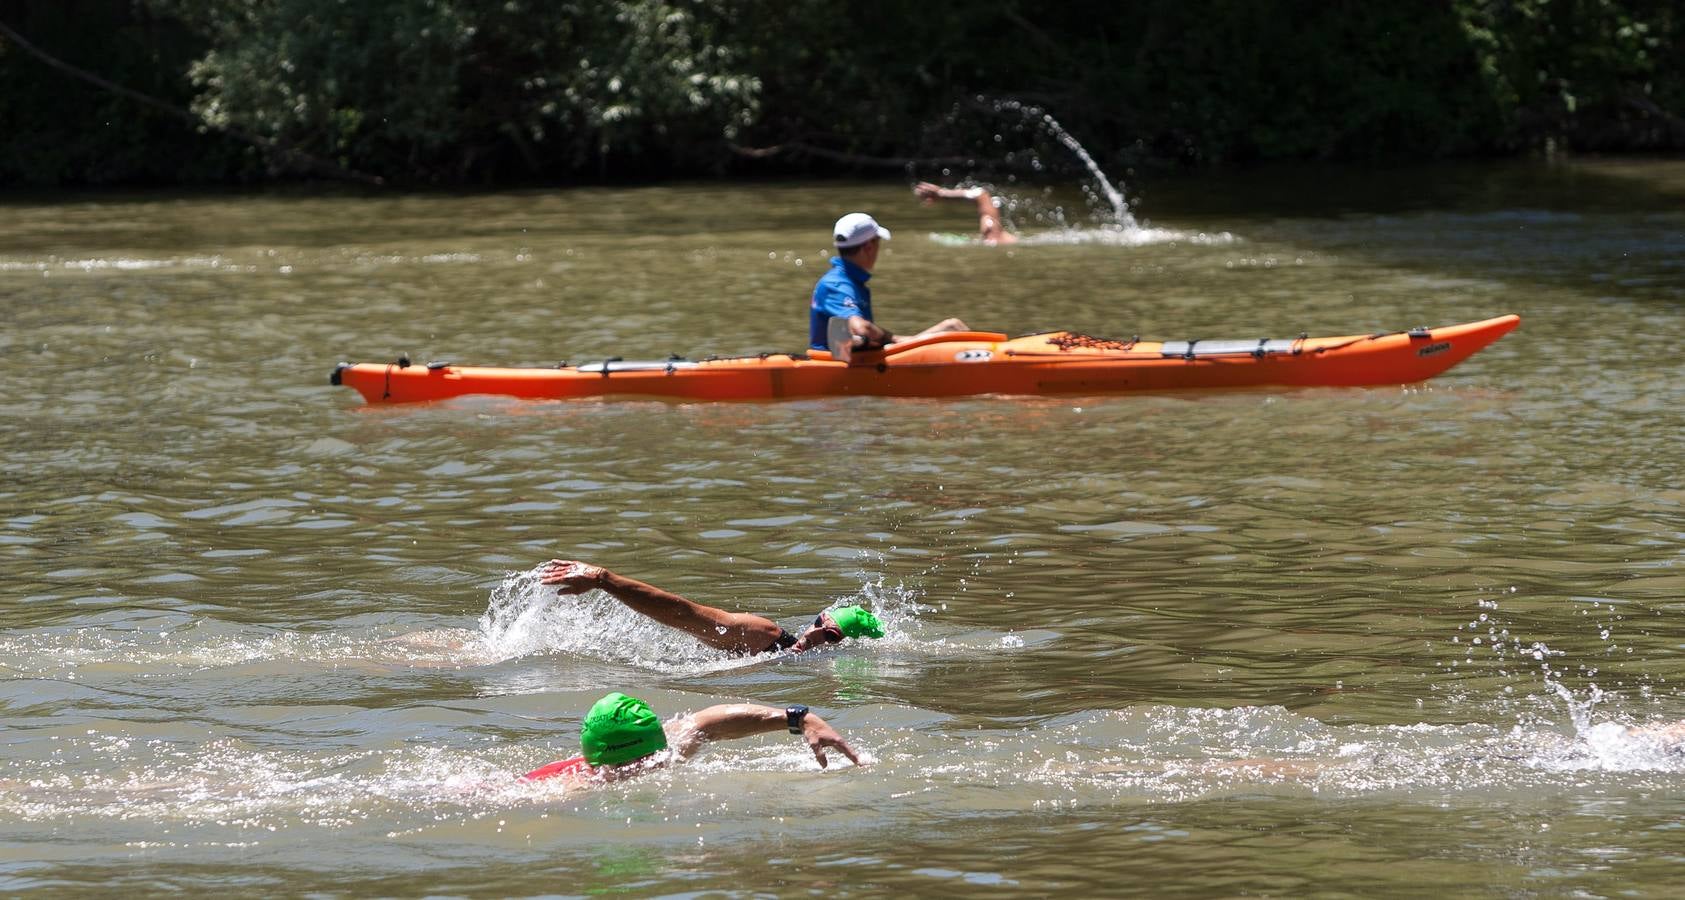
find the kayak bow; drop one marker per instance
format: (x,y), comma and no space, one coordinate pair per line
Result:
(960,364)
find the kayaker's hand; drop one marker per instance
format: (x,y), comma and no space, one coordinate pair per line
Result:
(571,576)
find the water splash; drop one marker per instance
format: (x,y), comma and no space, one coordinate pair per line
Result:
(1613,740)
(1121,215)
(192,791)
(523,617)
(1118,226)
(1133,236)
(1579,711)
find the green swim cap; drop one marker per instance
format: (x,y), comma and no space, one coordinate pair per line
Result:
(855,621)
(619,729)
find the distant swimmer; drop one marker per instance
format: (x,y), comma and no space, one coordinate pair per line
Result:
(621,737)
(989,226)
(732,632)
(841,294)
(1670,736)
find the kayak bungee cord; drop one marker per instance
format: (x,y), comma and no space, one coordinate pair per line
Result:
(1073,339)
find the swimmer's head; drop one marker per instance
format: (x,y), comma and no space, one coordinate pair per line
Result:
(832,626)
(620,729)
(856,621)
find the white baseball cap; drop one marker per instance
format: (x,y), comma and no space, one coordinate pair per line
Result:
(855,229)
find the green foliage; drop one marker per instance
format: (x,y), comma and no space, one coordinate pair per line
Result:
(438,88)
(336,80)
(456,91)
(1297,80)
(57,130)
(1589,73)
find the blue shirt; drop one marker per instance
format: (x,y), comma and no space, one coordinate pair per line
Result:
(840,292)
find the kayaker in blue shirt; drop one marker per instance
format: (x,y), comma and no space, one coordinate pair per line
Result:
(842,293)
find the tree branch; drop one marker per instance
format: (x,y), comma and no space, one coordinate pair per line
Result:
(799,148)
(268,145)
(1035,33)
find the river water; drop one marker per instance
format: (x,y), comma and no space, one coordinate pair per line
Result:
(259,637)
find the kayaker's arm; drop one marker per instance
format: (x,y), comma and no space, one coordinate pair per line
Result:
(738,720)
(868,333)
(732,632)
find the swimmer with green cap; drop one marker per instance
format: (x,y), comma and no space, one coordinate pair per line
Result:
(728,631)
(621,736)
(620,729)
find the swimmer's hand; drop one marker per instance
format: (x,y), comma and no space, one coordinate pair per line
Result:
(927,192)
(571,576)
(820,735)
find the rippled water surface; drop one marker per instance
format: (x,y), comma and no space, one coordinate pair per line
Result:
(259,637)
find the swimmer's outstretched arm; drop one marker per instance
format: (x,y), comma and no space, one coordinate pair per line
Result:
(989,226)
(930,193)
(732,632)
(738,720)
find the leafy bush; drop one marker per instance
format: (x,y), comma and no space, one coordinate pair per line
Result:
(459,91)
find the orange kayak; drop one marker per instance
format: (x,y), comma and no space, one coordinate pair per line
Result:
(959,364)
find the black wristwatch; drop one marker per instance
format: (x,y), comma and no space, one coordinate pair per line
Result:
(793,717)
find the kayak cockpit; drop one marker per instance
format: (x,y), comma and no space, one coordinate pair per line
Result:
(946,337)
